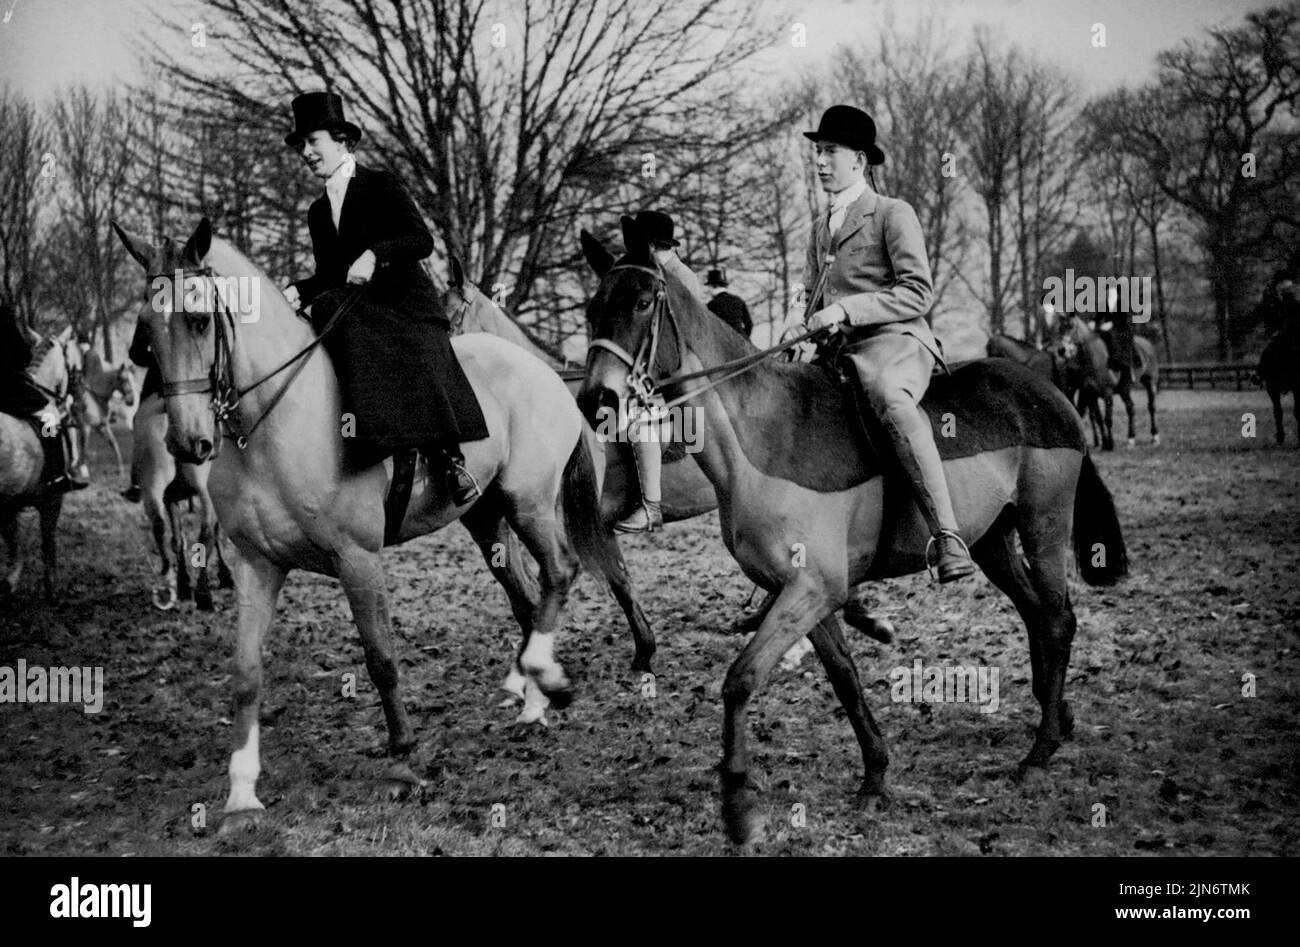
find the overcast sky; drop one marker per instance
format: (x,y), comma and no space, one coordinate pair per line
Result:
(50,43)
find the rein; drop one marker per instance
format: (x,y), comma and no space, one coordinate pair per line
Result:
(220,382)
(645,386)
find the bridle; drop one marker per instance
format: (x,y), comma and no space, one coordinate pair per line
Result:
(220,381)
(645,386)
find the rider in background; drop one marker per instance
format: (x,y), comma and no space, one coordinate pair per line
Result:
(726,305)
(150,402)
(647,432)
(20,397)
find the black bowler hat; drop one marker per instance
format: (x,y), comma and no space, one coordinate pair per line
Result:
(656,227)
(850,127)
(314,111)
(716,277)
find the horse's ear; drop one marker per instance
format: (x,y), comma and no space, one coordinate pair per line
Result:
(633,240)
(457,272)
(598,258)
(63,337)
(139,249)
(196,248)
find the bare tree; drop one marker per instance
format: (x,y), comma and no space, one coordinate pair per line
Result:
(22,190)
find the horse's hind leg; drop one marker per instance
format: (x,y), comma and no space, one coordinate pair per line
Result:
(642,634)
(1049,622)
(1279,423)
(1126,395)
(49,510)
(828,639)
(176,519)
(1150,385)
(224,579)
(362,575)
(501,550)
(9,530)
(206,553)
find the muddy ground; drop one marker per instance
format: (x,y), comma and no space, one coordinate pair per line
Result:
(1166,742)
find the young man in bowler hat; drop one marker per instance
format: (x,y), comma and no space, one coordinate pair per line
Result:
(727,306)
(868,273)
(392,351)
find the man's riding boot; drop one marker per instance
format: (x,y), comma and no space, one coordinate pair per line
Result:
(56,479)
(78,472)
(916,451)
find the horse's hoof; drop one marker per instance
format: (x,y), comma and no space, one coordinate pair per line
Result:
(1132,442)
(203,601)
(164,599)
(1038,757)
(533,715)
(560,695)
(244,820)
(744,823)
(399,783)
(872,799)
(1066,720)
(641,664)
(1155,440)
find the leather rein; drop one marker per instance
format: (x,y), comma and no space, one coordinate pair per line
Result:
(220,380)
(645,386)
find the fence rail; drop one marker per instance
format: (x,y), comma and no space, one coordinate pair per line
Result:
(1207,375)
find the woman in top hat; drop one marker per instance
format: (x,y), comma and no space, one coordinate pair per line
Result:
(869,273)
(399,376)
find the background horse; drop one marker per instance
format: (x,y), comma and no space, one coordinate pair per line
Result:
(1279,365)
(55,368)
(806,511)
(1041,362)
(286,501)
(167,487)
(1093,384)
(100,383)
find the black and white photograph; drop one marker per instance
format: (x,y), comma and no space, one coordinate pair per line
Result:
(707,428)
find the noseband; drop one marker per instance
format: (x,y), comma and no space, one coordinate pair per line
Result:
(220,381)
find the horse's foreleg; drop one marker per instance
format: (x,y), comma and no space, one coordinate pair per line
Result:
(163,597)
(831,647)
(224,579)
(1126,395)
(206,553)
(1108,422)
(800,606)
(107,428)
(49,513)
(259,587)
(176,519)
(362,575)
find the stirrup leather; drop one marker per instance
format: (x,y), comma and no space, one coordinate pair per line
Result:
(932,568)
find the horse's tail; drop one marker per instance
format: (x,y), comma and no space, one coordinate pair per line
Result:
(1098,540)
(592,540)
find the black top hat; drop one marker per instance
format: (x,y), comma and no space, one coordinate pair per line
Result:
(716,277)
(313,111)
(850,127)
(656,227)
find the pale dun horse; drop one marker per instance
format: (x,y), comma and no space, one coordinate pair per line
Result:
(101,383)
(22,463)
(286,501)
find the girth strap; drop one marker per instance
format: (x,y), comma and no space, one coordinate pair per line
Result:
(399,494)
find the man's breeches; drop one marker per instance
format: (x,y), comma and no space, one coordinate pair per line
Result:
(894,371)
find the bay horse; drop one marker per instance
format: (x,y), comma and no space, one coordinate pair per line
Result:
(286,500)
(167,487)
(55,368)
(807,511)
(100,383)
(1279,365)
(686,491)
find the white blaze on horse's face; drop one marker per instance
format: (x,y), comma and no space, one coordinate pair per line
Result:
(185,346)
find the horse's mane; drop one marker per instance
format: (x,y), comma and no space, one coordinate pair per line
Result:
(492,319)
(226,260)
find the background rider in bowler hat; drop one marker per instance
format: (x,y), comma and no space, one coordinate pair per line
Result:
(727,306)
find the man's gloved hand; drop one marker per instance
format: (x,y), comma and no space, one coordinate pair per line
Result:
(362,269)
(291,294)
(830,316)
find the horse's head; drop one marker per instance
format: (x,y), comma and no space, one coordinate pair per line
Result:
(57,364)
(124,383)
(634,337)
(192,344)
